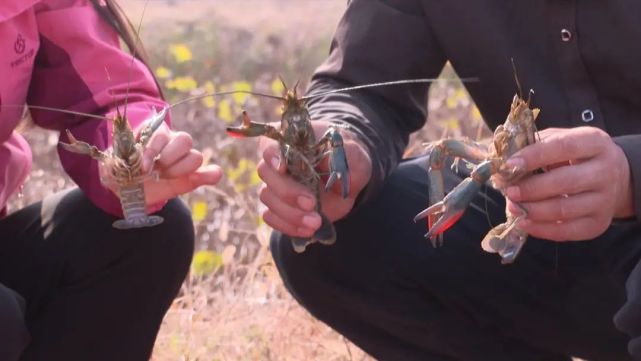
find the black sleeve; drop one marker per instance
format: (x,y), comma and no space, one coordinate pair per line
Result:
(631,145)
(377,41)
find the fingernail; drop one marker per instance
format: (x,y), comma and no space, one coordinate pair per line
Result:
(305,203)
(312,221)
(276,163)
(513,193)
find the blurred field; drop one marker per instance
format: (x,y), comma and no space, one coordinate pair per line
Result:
(233,305)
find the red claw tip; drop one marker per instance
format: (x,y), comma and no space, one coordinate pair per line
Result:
(433,232)
(235,133)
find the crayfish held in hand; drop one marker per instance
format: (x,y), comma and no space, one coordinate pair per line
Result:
(123,167)
(302,153)
(518,131)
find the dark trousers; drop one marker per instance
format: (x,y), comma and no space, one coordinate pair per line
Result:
(384,287)
(91,292)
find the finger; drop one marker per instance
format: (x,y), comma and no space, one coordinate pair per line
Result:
(185,165)
(158,141)
(272,156)
(559,146)
(579,229)
(180,143)
(286,188)
(281,225)
(291,215)
(165,189)
(560,208)
(206,175)
(563,180)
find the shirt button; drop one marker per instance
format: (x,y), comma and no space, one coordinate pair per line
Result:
(566,35)
(587,116)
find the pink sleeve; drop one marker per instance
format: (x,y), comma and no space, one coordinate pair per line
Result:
(80,67)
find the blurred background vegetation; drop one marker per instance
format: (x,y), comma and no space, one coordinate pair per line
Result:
(233,305)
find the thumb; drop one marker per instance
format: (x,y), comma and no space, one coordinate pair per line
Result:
(165,189)
(206,175)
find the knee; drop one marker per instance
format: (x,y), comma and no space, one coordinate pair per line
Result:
(628,320)
(297,270)
(13,332)
(172,242)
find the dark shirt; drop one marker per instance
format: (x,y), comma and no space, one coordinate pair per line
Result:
(581,58)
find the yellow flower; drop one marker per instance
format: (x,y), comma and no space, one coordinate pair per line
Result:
(199,211)
(225,112)
(277,87)
(460,94)
(210,87)
(163,73)
(452,124)
(240,98)
(476,113)
(451,102)
(206,262)
(209,102)
(255,178)
(182,83)
(244,175)
(181,53)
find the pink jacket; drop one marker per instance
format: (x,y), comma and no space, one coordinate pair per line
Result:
(57,53)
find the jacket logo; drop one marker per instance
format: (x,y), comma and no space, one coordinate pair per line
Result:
(19,45)
(23,54)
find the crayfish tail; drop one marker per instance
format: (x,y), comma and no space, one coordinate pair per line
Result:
(141,222)
(300,244)
(326,234)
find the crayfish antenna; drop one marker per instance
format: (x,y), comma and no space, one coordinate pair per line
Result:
(280,77)
(296,88)
(516,78)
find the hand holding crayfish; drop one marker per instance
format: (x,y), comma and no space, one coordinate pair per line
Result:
(126,168)
(587,184)
(291,206)
(178,164)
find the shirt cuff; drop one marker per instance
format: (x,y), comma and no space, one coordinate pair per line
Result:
(631,145)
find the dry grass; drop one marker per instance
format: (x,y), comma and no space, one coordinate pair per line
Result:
(233,306)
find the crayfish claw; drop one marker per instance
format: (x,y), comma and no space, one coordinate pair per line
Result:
(333,176)
(152,124)
(338,168)
(76,146)
(433,209)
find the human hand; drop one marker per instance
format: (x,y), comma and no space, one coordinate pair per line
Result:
(179,166)
(586,184)
(290,205)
